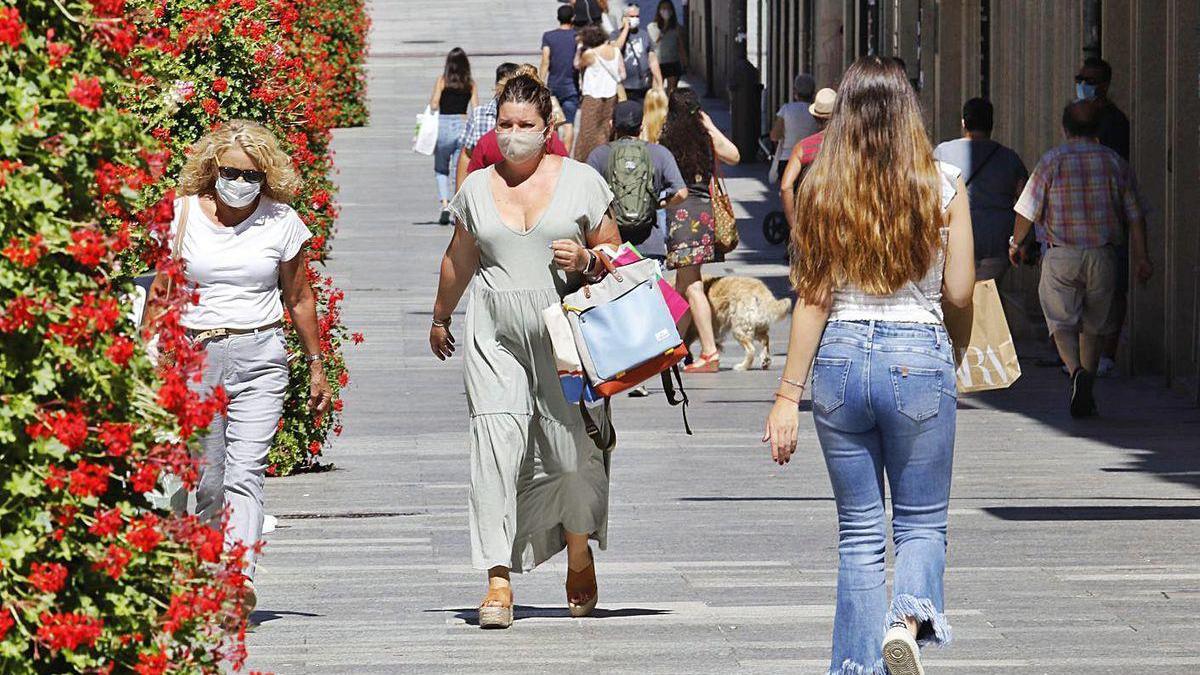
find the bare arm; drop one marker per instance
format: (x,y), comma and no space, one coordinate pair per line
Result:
(624,36)
(156,293)
(958,282)
(302,308)
(808,324)
(776,133)
(460,171)
(656,71)
(676,199)
(544,68)
(607,233)
(727,152)
(787,185)
(459,264)
(436,97)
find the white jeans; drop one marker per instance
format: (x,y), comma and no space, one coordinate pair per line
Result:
(253,369)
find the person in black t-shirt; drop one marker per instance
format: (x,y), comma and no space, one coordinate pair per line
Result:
(558,70)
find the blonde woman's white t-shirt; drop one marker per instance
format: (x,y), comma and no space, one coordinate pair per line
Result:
(235,270)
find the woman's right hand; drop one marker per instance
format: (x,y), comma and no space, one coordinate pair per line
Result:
(441,341)
(780,431)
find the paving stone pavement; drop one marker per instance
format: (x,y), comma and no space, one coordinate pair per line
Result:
(1072,545)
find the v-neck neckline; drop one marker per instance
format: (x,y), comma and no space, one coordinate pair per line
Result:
(537,223)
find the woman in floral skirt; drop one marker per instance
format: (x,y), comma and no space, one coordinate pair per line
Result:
(697,144)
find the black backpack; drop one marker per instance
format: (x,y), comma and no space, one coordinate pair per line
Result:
(630,175)
(587,12)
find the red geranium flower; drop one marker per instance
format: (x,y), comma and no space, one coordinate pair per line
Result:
(69,630)
(143,533)
(120,351)
(48,577)
(6,621)
(89,480)
(211,106)
(114,562)
(11,27)
(117,437)
(107,523)
(219,85)
(87,92)
(151,663)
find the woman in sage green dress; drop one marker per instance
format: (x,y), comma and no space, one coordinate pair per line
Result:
(524,232)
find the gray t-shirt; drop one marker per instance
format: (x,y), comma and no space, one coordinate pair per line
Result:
(667,181)
(798,124)
(992,193)
(638,47)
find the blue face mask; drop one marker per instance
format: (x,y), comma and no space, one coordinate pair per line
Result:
(1084,91)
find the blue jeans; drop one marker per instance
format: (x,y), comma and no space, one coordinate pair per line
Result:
(445,153)
(884,402)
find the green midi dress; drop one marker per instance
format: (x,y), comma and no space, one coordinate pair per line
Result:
(535,473)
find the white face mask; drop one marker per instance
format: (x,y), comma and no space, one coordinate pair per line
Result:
(237,193)
(520,146)
(634,22)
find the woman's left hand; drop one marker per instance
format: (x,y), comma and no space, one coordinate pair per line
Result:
(569,255)
(320,396)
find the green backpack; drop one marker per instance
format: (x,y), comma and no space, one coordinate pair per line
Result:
(630,175)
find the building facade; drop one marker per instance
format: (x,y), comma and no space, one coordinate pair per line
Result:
(1023,55)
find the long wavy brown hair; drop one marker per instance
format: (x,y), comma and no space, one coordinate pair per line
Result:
(869,211)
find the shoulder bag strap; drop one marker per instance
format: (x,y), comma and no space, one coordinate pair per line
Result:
(669,390)
(177,244)
(976,170)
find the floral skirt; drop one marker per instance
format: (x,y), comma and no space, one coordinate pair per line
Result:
(691,234)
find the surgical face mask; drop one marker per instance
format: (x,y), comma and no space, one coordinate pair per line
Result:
(520,146)
(237,193)
(634,22)
(1084,91)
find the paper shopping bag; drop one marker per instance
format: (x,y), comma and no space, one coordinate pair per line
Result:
(989,359)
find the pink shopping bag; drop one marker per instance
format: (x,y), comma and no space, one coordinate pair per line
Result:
(627,254)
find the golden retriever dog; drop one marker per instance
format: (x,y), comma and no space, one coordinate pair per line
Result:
(745,308)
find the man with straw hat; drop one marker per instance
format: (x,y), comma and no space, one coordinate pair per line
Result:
(805,152)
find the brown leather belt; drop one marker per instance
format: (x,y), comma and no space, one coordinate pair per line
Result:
(202,336)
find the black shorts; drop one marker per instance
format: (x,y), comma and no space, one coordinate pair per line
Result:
(674,69)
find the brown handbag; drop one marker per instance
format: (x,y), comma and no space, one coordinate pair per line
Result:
(722,206)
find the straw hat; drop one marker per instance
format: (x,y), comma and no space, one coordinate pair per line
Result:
(822,106)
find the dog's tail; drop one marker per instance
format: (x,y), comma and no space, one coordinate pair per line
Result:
(779,309)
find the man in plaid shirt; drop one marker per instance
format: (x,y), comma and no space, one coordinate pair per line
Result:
(481,120)
(1083,196)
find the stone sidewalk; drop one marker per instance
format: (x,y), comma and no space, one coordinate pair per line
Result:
(1072,550)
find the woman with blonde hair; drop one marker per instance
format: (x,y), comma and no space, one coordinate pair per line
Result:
(654,114)
(882,241)
(242,245)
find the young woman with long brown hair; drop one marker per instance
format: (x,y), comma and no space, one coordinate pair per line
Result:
(882,240)
(453,97)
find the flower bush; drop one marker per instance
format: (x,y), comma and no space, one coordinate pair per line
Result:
(100,100)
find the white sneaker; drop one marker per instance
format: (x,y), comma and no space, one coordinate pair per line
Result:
(1107,367)
(900,652)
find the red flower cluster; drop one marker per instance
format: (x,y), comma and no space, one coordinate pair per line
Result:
(25,253)
(89,480)
(87,92)
(11,28)
(48,577)
(143,533)
(69,630)
(114,561)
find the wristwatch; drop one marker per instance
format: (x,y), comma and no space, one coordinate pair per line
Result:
(312,358)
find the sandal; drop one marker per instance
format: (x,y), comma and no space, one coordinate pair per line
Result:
(496,610)
(582,591)
(707,363)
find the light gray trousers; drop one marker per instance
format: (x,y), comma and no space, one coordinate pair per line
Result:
(253,369)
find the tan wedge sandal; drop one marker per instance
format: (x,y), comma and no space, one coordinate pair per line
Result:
(496,610)
(582,591)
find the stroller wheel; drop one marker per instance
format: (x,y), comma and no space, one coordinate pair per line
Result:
(775,228)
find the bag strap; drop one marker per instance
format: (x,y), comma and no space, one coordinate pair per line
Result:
(177,245)
(976,170)
(605,68)
(716,179)
(669,390)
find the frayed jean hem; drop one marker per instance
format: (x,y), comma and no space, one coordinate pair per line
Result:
(932,626)
(849,667)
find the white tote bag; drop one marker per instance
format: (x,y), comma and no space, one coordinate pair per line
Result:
(425,137)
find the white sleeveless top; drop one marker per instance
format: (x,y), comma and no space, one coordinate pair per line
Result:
(600,78)
(916,302)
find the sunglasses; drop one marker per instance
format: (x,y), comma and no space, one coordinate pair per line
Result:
(249,175)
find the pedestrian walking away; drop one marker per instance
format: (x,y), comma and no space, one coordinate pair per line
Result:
(883,383)
(670,44)
(453,97)
(1092,83)
(638,54)
(525,232)
(242,246)
(697,146)
(793,122)
(804,153)
(481,120)
(1083,197)
(642,176)
(602,68)
(558,70)
(994,176)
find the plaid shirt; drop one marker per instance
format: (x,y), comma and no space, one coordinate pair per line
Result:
(1081,195)
(481,121)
